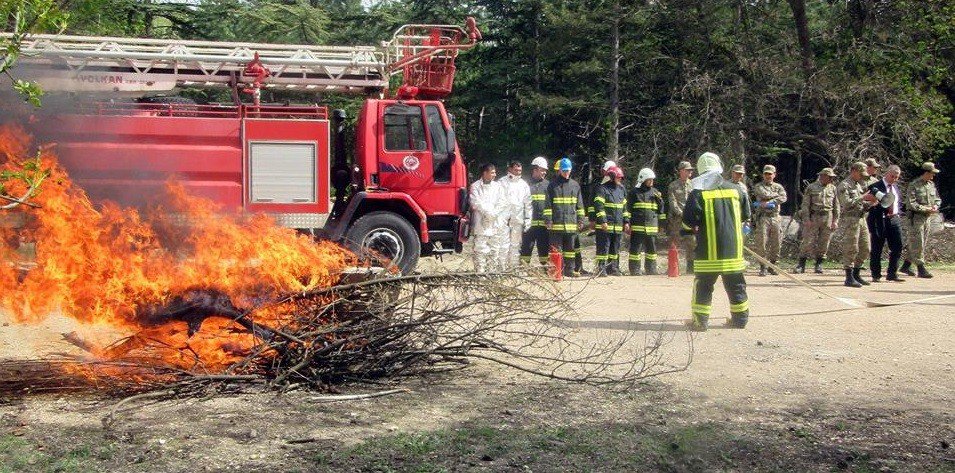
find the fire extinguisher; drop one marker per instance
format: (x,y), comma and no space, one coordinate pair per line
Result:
(673,261)
(556,266)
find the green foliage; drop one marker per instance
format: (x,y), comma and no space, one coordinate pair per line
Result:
(23,18)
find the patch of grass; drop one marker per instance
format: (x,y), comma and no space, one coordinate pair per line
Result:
(18,454)
(619,447)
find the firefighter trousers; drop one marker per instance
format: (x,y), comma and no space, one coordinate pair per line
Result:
(564,243)
(608,252)
(643,246)
(702,303)
(535,237)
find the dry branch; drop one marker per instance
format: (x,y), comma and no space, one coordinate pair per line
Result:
(384,329)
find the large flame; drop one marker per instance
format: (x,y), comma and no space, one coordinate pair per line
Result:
(103,266)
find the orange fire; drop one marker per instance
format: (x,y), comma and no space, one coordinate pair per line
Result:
(103,266)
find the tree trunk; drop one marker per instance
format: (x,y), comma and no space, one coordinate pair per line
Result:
(802,33)
(613,144)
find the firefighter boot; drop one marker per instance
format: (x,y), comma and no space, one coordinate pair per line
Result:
(801,267)
(923,273)
(771,270)
(818,268)
(762,270)
(697,324)
(738,320)
(857,275)
(906,268)
(651,268)
(635,268)
(851,280)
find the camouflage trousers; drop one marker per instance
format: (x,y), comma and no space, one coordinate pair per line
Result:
(855,241)
(917,236)
(815,236)
(768,237)
(688,242)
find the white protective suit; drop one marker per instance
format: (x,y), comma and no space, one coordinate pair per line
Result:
(517,194)
(488,224)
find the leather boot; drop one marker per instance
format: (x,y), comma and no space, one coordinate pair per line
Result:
(850,280)
(635,268)
(906,268)
(857,275)
(771,270)
(762,270)
(801,267)
(818,268)
(651,268)
(923,273)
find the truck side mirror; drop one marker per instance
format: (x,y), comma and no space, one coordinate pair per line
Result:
(451,141)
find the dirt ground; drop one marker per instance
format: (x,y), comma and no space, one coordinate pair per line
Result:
(801,388)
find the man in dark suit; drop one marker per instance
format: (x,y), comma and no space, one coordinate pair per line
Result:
(885,224)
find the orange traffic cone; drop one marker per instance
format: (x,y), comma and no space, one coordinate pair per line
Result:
(556,266)
(673,261)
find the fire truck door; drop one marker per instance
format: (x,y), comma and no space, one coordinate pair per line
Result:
(413,151)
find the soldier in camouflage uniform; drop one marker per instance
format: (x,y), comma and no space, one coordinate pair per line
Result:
(768,197)
(677,192)
(854,202)
(737,176)
(921,204)
(818,215)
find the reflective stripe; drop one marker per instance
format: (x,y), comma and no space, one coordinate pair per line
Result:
(565,200)
(626,215)
(601,214)
(645,205)
(568,254)
(601,258)
(635,256)
(701,309)
(643,229)
(651,256)
(709,214)
(663,216)
(580,212)
(741,307)
(611,205)
(538,197)
(719,266)
(599,198)
(548,212)
(568,227)
(537,223)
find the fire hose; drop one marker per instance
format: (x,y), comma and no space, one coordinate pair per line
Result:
(855,303)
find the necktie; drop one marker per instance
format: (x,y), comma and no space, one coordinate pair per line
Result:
(891,210)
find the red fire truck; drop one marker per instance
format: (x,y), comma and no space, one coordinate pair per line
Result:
(401,195)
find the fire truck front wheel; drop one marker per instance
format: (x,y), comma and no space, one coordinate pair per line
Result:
(385,238)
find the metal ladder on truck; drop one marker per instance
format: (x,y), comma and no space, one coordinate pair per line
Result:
(423,54)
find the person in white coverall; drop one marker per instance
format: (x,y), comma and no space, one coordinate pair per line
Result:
(488,220)
(517,194)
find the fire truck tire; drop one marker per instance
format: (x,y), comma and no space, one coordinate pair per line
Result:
(385,234)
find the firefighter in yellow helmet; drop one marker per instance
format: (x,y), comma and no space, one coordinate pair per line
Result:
(715,212)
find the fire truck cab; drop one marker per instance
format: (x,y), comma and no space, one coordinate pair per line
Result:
(400,196)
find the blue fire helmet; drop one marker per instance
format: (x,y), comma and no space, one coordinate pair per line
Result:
(566,165)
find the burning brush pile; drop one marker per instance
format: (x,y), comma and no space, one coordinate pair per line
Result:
(227,300)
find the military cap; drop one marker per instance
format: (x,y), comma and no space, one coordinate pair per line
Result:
(738,168)
(827,172)
(872,162)
(684,165)
(769,169)
(859,166)
(929,166)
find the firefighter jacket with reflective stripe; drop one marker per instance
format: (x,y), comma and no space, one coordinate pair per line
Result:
(563,205)
(610,207)
(718,214)
(538,194)
(647,210)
